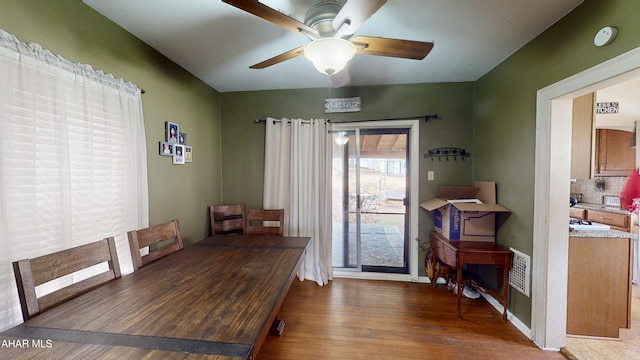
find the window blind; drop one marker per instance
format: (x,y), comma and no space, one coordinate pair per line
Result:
(72,163)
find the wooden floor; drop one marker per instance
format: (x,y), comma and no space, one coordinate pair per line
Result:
(367,319)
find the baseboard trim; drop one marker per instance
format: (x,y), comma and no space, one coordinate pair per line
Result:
(371,275)
(524,329)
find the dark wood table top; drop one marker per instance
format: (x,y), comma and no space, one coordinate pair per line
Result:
(218,296)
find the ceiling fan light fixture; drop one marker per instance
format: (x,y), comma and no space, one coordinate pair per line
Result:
(329,55)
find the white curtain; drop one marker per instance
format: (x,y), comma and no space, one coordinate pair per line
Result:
(72,160)
(297,165)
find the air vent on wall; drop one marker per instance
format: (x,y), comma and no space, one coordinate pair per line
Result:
(520,272)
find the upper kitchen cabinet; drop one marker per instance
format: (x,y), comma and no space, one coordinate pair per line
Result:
(582,136)
(615,130)
(603,131)
(614,154)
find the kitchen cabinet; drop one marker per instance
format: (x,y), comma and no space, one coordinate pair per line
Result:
(617,220)
(601,151)
(599,286)
(577,213)
(614,154)
(582,136)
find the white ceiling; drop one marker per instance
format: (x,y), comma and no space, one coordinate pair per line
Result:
(218,42)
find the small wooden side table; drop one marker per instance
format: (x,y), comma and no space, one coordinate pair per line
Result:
(458,253)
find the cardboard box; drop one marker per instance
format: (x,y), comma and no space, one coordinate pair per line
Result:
(466,213)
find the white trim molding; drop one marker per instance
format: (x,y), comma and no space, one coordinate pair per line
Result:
(552,187)
(414,148)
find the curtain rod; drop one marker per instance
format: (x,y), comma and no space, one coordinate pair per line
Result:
(277,120)
(425,117)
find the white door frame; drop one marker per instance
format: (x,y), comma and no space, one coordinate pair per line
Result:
(414,148)
(552,188)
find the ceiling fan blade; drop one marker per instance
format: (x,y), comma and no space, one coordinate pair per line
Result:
(279,58)
(407,49)
(356,12)
(267,13)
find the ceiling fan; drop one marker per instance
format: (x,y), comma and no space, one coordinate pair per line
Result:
(330,26)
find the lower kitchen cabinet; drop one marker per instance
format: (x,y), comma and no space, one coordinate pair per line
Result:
(599,286)
(617,221)
(577,213)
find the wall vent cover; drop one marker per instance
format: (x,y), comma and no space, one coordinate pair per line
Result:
(519,274)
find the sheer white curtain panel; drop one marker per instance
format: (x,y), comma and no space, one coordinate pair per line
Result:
(296,179)
(72,161)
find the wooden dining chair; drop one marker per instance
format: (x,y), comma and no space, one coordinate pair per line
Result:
(265,222)
(227,219)
(30,273)
(161,240)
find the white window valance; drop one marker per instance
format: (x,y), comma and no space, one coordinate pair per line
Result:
(12,47)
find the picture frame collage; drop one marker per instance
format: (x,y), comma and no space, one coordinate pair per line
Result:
(175,145)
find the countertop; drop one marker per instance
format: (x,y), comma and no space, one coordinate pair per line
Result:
(602,234)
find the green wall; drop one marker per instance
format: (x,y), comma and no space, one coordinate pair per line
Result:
(502,133)
(505,110)
(243,139)
(75,31)
(493,118)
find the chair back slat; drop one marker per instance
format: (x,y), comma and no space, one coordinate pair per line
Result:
(227,219)
(152,237)
(265,222)
(54,299)
(52,266)
(30,273)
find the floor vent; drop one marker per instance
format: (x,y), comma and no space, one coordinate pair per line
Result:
(520,272)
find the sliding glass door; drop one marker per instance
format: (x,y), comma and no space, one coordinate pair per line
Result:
(370,192)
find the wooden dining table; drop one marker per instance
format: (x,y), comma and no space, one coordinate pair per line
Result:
(216,299)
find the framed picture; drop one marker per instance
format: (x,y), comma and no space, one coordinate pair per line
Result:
(188,154)
(182,139)
(166,148)
(172,130)
(178,154)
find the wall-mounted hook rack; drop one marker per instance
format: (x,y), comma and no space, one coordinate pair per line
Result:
(447,152)
(432,116)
